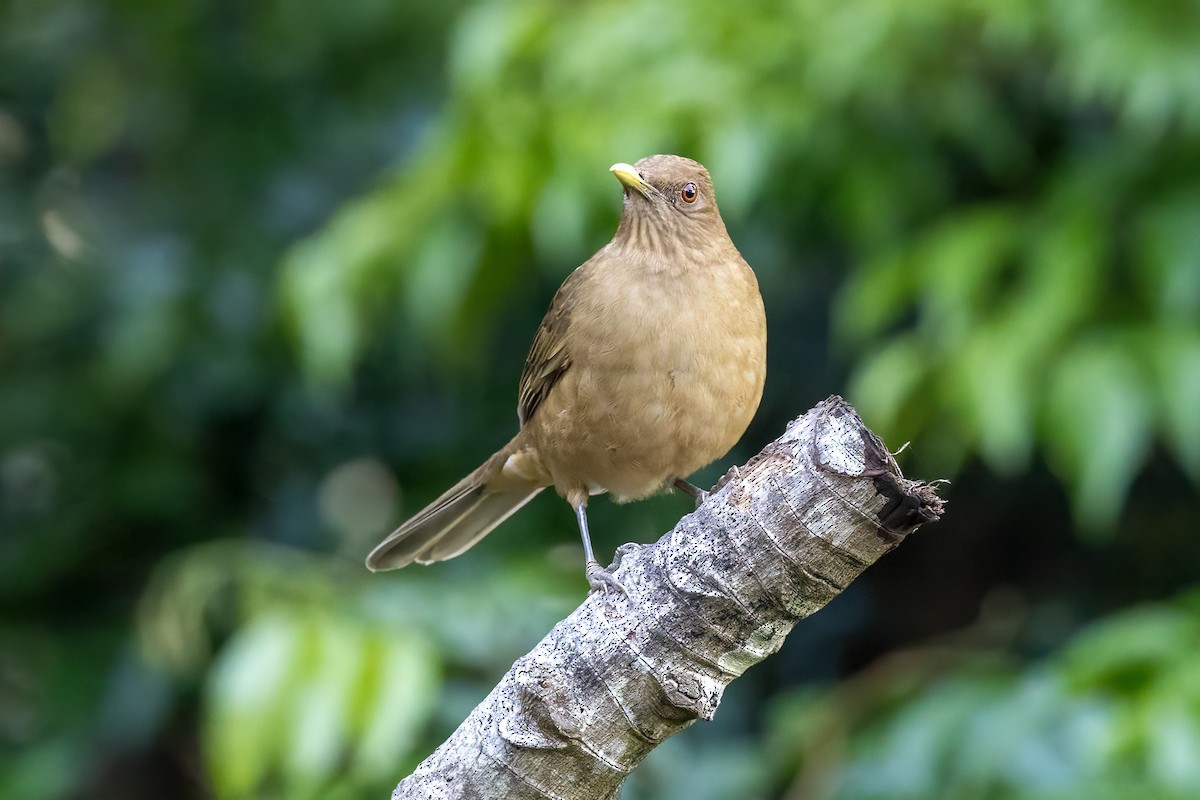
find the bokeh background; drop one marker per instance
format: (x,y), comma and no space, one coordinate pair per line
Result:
(267,276)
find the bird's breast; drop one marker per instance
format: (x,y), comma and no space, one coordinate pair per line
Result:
(666,373)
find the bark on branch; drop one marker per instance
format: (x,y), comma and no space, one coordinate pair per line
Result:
(778,539)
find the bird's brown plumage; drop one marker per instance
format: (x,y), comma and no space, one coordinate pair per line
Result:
(648,365)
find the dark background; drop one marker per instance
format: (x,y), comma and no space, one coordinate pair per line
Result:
(267,277)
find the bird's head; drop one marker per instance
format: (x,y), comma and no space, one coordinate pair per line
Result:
(669,204)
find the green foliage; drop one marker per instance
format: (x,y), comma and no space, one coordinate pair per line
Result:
(1115,714)
(315,707)
(306,697)
(327,683)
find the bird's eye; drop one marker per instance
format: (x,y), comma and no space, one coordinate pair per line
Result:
(689,193)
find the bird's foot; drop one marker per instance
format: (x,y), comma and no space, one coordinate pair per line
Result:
(601,580)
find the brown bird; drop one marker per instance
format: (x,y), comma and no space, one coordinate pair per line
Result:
(648,366)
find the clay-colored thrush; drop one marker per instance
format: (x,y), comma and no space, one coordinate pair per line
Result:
(648,366)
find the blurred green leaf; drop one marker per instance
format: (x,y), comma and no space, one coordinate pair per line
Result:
(959,265)
(1168,242)
(876,296)
(395,698)
(997,398)
(888,381)
(1098,428)
(250,690)
(293,700)
(1127,653)
(1177,357)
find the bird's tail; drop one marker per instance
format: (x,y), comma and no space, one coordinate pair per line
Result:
(458,519)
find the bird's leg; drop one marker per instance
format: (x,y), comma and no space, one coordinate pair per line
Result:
(598,577)
(695,491)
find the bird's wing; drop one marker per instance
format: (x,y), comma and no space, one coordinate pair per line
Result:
(548,358)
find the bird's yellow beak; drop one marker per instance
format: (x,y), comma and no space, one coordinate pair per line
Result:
(629,178)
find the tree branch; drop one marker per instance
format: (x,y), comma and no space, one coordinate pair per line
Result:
(777,540)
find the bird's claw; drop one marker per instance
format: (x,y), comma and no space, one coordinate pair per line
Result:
(601,580)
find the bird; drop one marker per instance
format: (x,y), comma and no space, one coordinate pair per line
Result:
(648,366)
